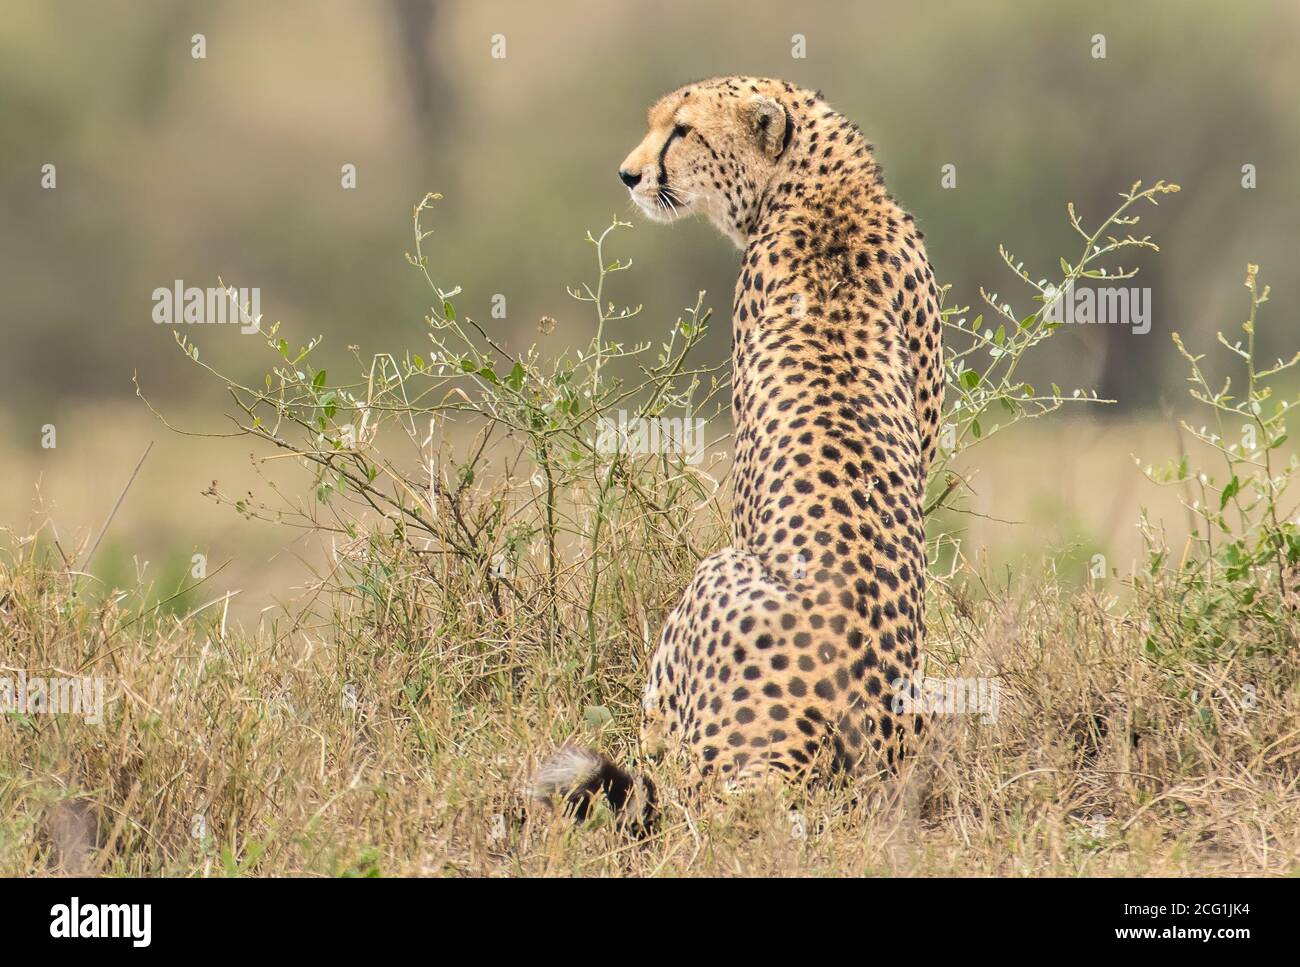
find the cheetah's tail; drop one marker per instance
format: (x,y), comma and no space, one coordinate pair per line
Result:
(578,775)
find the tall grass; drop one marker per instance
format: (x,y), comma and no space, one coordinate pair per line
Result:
(497,579)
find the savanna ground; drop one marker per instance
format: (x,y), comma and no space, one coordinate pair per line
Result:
(487,584)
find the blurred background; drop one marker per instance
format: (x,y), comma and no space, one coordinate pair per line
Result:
(171,167)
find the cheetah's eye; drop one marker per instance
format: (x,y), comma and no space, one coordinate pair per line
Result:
(681,130)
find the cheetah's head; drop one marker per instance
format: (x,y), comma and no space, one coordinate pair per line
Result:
(712,149)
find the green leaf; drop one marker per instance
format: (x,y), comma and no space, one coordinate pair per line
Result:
(975,428)
(1230,491)
(516,378)
(970,379)
(448,310)
(318,380)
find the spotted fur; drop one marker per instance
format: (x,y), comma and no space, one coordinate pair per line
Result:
(784,653)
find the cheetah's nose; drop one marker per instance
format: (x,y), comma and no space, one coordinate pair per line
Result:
(630,178)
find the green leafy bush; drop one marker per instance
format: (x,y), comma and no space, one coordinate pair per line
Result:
(1237,578)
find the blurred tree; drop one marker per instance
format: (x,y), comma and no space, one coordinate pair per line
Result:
(427,85)
(163,48)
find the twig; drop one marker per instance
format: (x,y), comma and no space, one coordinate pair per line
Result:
(120,497)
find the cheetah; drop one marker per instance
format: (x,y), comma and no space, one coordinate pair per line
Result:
(787,650)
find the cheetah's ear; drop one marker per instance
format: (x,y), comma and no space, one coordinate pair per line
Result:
(771,124)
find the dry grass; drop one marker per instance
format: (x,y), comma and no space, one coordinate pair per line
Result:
(388,730)
(491,586)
